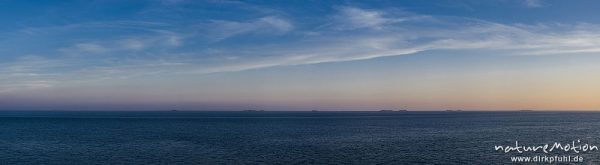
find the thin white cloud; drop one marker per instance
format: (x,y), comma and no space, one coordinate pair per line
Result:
(441,33)
(533,3)
(350,18)
(127,45)
(370,34)
(277,23)
(113,25)
(359,18)
(132,44)
(28,72)
(173,40)
(90,48)
(7,87)
(222,29)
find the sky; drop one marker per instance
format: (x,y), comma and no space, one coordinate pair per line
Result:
(300,55)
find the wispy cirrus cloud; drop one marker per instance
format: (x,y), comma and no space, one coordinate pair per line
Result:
(349,18)
(223,29)
(125,45)
(89,48)
(416,33)
(533,3)
(349,34)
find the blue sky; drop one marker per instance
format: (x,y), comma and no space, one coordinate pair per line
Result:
(299,55)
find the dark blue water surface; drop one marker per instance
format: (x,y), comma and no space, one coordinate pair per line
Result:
(284,137)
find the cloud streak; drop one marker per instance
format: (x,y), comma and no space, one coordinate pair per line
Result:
(350,34)
(533,3)
(221,29)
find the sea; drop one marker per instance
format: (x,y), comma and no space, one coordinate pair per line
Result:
(186,137)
